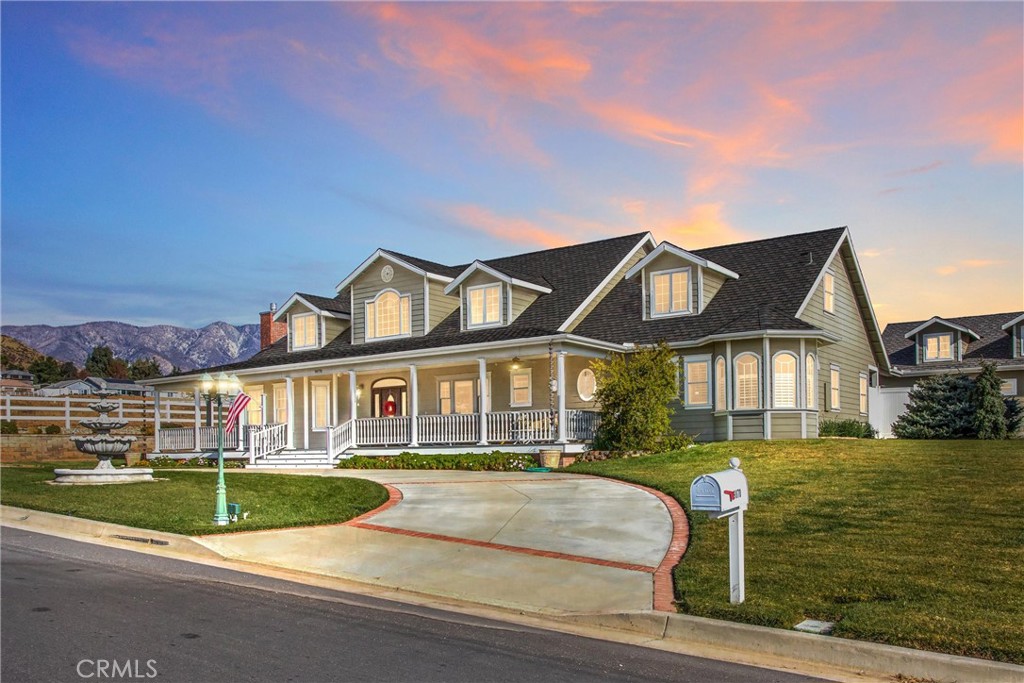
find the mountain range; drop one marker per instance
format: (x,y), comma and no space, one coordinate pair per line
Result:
(171,346)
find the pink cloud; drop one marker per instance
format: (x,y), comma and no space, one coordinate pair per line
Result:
(507,229)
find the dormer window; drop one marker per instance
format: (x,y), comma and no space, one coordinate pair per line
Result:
(938,346)
(304,331)
(670,292)
(484,303)
(387,315)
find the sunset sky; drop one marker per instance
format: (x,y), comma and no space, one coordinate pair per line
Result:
(187,163)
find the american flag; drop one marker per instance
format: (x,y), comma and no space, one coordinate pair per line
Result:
(237,406)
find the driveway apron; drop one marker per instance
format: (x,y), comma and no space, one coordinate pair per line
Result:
(554,543)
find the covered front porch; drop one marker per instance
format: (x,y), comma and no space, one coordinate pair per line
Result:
(533,398)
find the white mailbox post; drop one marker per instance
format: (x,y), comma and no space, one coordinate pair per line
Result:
(725,494)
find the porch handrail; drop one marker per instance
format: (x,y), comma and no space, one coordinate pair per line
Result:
(382,431)
(266,439)
(448,429)
(178,439)
(581,425)
(522,426)
(340,439)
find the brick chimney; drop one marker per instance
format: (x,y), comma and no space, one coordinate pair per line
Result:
(271,331)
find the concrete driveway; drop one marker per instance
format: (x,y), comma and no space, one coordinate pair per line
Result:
(549,542)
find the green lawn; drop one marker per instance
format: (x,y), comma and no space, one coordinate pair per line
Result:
(184,503)
(912,543)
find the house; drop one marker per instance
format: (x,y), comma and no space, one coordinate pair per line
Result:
(15,382)
(923,348)
(90,385)
(772,336)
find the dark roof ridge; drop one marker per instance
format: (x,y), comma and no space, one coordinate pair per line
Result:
(637,235)
(768,239)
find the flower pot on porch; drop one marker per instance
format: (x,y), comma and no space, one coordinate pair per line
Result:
(550,457)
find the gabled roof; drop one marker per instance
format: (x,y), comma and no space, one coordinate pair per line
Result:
(336,307)
(668,247)
(948,323)
(1010,323)
(416,265)
(993,343)
(774,277)
(537,284)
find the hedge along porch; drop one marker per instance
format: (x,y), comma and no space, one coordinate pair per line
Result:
(534,394)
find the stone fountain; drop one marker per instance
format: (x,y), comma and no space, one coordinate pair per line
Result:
(104,446)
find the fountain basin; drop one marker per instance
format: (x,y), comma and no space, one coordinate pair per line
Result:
(106,475)
(103,445)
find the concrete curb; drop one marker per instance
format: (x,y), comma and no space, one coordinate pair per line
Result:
(110,534)
(871,658)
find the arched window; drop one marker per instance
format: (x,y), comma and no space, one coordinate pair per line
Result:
(720,384)
(387,315)
(784,384)
(747,381)
(812,383)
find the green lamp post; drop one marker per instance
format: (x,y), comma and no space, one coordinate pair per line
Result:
(216,389)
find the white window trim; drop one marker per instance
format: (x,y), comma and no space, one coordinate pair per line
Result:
(366,316)
(811,381)
(326,384)
(284,387)
(462,377)
(829,276)
(689,292)
(796,379)
(862,381)
(723,404)
(291,331)
(1011,383)
(938,359)
(579,378)
(836,387)
(529,386)
(469,310)
(706,359)
(736,380)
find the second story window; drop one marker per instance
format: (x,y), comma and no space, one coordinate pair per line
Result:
(938,346)
(387,316)
(484,306)
(304,331)
(670,292)
(830,292)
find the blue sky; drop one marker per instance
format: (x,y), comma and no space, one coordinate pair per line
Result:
(190,162)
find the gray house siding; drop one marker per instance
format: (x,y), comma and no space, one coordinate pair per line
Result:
(619,274)
(441,304)
(369,284)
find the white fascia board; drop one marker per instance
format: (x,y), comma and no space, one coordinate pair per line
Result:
(380,253)
(345,363)
(909,372)
(683,254)
(646,239)
(497,274)
(297,298)
(1019,318)
(759,334)
(824,268)
(876,328)
(942,321)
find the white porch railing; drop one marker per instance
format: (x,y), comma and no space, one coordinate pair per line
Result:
(208,438)
(525,426)
(183,439)
(383,431)
(581,425)
(448,428)
(266,439)
(340,439)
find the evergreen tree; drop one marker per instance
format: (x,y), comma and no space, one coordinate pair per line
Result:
(989,410)
(68,370)
(46,370)
(940,408)
(1014,416)
(99,361)
(634,392)
(144,368)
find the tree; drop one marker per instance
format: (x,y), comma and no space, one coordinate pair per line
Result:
(634,392)
(987,399)
(99,361)
(1014,415)
(46,370)
(940,408)
(68,370)
(144,368)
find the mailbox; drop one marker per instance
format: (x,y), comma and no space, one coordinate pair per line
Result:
(719,493)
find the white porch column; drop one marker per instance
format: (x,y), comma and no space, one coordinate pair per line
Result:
(334,399)
(728,390)
(482,394)
(289,397)
(195,442)
(561,397)
(353,396)
(156,420)
(263,409)
(801,388)
(414,407)
(305,413)
(767,373)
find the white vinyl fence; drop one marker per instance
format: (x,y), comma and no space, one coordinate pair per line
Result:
(66,411)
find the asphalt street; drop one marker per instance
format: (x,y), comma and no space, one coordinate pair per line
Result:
(76,611)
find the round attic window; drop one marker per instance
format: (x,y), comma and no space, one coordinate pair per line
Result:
(586,384)
(386,273)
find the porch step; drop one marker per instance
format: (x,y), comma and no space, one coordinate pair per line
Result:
(292,460)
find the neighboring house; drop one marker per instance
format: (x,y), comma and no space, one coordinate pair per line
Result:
(90,385)
(15,387)
(20,375)
(773,336)
(923,348)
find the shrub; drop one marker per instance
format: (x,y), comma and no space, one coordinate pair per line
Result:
(634,391)
(496,461)
(989,409)
(849,428)
(51,429)
(159,461)
(940,408)
(1014,415)
(8,427)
